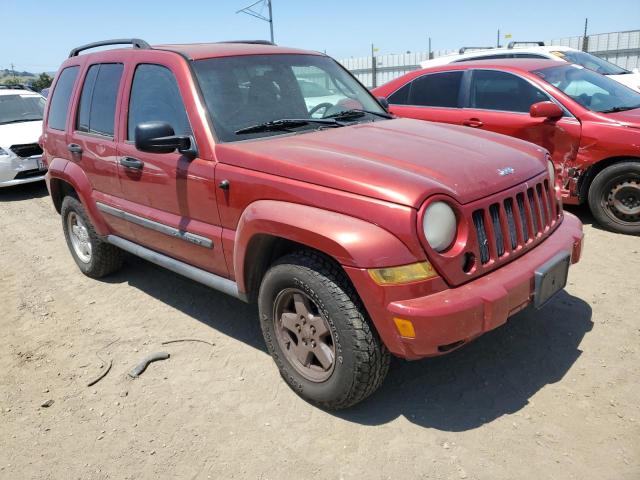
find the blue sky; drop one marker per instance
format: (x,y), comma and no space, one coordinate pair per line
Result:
(37,35)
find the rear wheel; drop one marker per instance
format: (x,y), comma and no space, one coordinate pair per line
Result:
(94,257)
(318,333)
(614,197)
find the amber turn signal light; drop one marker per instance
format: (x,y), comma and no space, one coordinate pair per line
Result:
(403,274)
(405,327)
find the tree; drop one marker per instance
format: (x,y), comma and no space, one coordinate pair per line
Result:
(10,81)
(43,81)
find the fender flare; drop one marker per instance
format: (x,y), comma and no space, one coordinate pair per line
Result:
(72,174)
(348,240)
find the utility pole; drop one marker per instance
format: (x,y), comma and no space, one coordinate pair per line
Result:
(498,39)
(249,11)
(374,68)
(585,39)
(430,53)
(13,72)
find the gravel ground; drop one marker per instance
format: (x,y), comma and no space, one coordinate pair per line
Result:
(552,394)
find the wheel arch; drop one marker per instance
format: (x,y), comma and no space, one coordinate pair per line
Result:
(70,179)
(58,189)
(586,179)
(269,229)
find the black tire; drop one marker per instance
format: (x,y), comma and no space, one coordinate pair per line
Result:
(361,359)
(603,197)
(104,258)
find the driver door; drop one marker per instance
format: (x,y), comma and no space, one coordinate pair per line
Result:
(168,198)
(499,101)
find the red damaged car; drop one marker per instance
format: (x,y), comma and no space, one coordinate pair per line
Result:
(589,123)
(358,235)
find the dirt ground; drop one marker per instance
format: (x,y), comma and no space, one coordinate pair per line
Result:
(552,394)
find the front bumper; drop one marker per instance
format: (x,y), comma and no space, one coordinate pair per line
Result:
(451,317)
(19,170)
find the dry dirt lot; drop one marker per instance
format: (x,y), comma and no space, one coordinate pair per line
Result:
(552,394)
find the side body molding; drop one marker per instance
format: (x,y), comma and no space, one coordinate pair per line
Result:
(350,241)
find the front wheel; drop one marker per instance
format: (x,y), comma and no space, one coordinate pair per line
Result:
(318,333)
(614,197)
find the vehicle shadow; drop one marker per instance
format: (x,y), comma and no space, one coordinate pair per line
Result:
(26,191)
(225,314)
(584,214)
(491,377)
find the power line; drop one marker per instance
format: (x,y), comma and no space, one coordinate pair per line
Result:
(250,11)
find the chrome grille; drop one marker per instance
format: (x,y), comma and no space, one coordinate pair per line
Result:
(514,222)
(483,242)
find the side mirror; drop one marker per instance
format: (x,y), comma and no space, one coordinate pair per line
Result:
(383,102)
(545,110)
(159,137)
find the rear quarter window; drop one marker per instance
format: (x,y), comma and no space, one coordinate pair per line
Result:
(401,96)
(59,108)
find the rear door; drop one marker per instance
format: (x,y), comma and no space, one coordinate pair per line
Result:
(92,142)
(434,97)
(168,198)
(499,101)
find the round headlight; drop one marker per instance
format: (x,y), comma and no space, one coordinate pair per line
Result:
(439,224)
(552,173)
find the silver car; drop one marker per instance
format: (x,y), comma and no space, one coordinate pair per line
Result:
(20,128)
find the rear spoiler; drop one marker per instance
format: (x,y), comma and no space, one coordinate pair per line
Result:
(513,44)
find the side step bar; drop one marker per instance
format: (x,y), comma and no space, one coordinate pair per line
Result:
(211,280)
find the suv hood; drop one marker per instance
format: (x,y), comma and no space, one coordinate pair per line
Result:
(20,133)
(402,160)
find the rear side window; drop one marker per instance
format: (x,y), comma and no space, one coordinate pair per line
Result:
(98,99)
(57,118)
(495,90)
(436,90)
(155,97)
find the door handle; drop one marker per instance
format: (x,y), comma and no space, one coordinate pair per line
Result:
(473,122)
(74,148)
(132,163)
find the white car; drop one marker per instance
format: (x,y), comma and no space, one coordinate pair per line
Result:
(540,50)
(20,128)
(316,95)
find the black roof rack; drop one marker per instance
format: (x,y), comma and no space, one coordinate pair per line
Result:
(134,42)
(254,42)
(16,86)
(464,49)
(513,44)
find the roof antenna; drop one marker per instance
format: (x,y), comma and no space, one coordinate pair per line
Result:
(250,11)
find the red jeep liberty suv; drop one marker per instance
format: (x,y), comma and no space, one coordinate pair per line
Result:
(359,235)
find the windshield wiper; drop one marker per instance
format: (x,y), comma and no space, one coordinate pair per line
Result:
(357,113)
(619,109)
(286,124)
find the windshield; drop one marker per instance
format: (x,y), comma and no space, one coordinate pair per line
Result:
(246,91)
(591,90)
(591,62)
(20,108)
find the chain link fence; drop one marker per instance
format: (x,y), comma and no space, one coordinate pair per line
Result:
(620,48)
